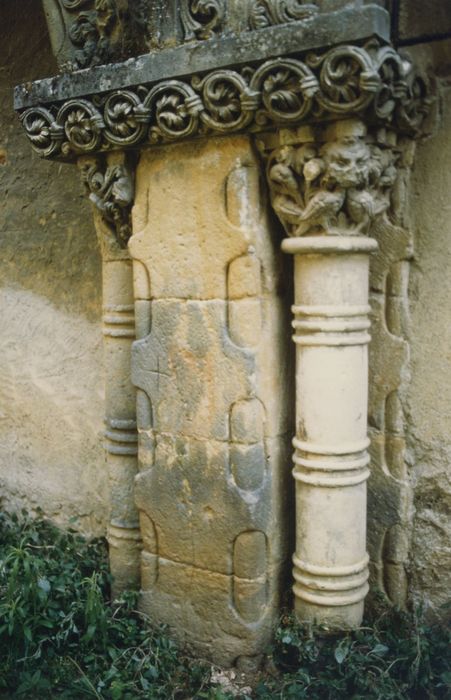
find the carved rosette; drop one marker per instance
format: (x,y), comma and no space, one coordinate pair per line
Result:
(345,81)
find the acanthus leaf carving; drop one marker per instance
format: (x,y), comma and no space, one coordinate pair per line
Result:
(265,13)
(111,190)
(201,19)
(338,184)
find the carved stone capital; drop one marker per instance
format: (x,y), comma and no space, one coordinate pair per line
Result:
(335,180)
(110,186)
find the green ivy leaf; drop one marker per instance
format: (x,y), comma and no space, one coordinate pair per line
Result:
(380,650)
(341,653)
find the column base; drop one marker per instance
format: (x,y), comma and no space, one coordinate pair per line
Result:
(330,596)
(339,619)
(124,554)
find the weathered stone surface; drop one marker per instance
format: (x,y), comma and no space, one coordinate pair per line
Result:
(419,19)
(197,506)
(389,494)
(213,412)
(409,495)
(51,397)
(429,398)
(51,412)
(90,32)
(351,24)
(220,341)
(191,370)
(213,614)
(121,435)
(189,197)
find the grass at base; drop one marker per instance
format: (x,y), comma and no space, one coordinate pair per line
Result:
(60,637)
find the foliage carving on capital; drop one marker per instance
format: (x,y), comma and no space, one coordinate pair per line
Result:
(337,182)
(111,190)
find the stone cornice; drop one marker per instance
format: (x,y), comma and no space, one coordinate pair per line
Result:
(345,81)
(237,51)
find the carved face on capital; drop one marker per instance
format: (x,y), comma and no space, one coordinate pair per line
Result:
(347,163)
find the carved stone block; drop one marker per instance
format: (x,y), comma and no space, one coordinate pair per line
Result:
(211,367)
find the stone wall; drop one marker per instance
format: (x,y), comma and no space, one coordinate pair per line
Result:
(51,385)
(410,389)
(429,397)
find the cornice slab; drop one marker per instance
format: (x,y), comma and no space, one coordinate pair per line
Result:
(228,85)
(350,25)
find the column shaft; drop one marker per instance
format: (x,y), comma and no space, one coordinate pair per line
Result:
(120,419)
(331,460)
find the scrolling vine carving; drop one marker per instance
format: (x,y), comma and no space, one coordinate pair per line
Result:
(202,18)
(96,31)
(343,82)
(264,13)
(102,31)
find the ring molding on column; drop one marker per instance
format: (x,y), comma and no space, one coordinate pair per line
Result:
(313,583)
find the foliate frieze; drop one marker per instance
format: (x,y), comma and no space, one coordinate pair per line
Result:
(111,190)
(99,31)
(266,13)
(96,30)
(342,82)
(202,19)
(336,182)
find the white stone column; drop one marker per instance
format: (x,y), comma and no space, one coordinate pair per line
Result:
(328,185)
(331,460)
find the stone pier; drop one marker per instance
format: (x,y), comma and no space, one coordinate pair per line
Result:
(245,124)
